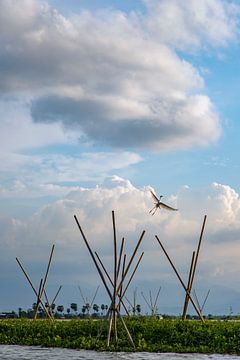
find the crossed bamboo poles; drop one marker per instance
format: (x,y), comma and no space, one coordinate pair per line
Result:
(117,283)
(88,305)
(41,289)
(188,287)
(152,304)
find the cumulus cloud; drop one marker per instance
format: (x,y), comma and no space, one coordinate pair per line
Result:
(116,78)
(179,231)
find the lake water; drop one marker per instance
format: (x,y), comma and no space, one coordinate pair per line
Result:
(15,352)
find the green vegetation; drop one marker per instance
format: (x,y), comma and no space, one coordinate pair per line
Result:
(149,335)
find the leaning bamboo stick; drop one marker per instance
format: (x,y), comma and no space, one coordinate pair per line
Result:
(133,273)
(110,327)
(146,301)
(115,277)
(109,278)
(38,300)
(157,296)
(48,303)
(121,288)
(179,278)
(120,256)
(55,297)
(188,288)
(196,259)
(46,274)
(94,296)
(32,286)
(205,300)
(130,261)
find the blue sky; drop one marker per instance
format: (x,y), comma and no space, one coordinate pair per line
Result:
(101,101)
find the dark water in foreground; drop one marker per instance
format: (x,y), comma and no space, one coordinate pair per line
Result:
(15,352)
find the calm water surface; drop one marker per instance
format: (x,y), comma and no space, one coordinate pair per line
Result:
(15,352)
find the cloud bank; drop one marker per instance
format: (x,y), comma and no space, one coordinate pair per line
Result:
(54,223)
(116,79)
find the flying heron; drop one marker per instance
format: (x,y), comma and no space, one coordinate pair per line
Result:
(159,204)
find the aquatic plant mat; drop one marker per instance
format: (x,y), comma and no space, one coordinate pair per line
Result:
(151,335)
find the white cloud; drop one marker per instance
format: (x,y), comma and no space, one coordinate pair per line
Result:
(179,231)
(113,77)
(196,23)
(29,176)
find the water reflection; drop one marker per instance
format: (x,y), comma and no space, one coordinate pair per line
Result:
(15,352)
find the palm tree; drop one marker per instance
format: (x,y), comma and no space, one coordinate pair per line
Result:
(73,306)
(60,308)
(138,308)
(95,308)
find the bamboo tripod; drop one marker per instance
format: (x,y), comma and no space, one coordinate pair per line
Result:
(201,307)
(192,272)
(117,282)
(152,304)
(40,291)
(88,304)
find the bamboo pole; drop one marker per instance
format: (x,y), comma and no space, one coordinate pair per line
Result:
(146,300)
(121,288)
(48,304)
(55,297)
(84,301)
(120,257)
(38,300)
(94,297)
(115,277)
(157,296)
(179,278)
(110,280)
(130,261)
(32,286)
(188,287)
(205,300)
(196,260)
(133,273)
(150,297)
(110,327)
(46,274)
(196,298)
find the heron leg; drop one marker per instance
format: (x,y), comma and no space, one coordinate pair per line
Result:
(152,210)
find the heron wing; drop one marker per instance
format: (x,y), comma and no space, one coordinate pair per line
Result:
(154,196)
(167,207)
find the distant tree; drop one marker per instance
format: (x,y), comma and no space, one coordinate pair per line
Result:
(74,307)
(138,309)
(68,311)
(83,310)
(95,308)
(102,308)
(60,308)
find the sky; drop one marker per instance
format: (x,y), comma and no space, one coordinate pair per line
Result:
(101,102)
